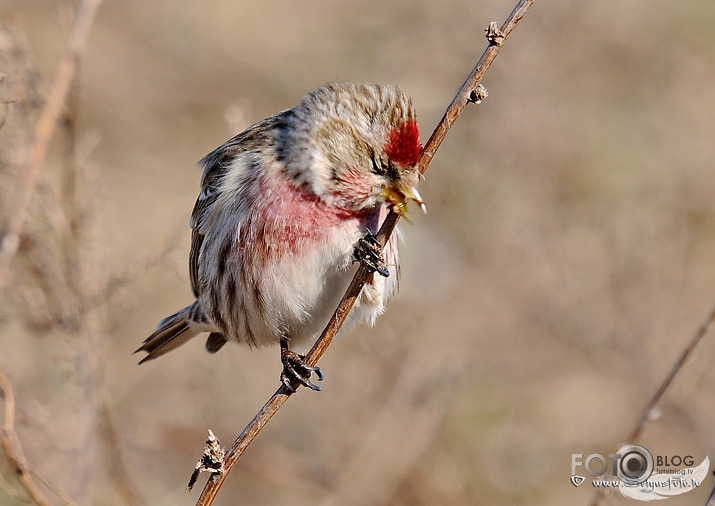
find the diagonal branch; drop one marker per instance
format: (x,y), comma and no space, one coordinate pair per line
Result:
(471,91)
(647,415)
(711,498)
(44,132)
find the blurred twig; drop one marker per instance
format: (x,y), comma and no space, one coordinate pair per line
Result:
(44,131)
(139,266)
(648,412)
(471,91)
(115,462)
(88,290)
(711,498)
(13,451)
(68,260)
(420,394)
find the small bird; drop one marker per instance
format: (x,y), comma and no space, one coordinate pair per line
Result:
(286,209)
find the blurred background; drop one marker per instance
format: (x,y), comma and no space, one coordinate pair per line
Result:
(567,258)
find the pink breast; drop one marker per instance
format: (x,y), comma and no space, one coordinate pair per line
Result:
(291,218)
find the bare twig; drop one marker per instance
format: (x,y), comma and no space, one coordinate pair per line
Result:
(115,462)
(10,445)
(138,267)
(64,497)
(371,476)
(471,91)
(75,268)
(711,498)
(647,414)
(44,132)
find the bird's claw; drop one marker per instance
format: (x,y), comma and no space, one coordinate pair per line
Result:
(295,369)
(367,252)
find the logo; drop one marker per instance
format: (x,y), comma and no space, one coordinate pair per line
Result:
(638,475)
(635,464)
(669,482)
(632,464)
(577,480)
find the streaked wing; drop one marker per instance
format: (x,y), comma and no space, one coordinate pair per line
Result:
(216,164)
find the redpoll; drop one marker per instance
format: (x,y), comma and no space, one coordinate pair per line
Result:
(285,209)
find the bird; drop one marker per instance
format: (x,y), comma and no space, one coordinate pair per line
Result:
(285,211)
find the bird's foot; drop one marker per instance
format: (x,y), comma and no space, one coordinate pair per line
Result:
(367,252)
(296,370)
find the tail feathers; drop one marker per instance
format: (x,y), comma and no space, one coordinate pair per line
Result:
(215,342)
(173,331)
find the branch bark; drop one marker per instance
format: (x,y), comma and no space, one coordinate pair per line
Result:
(470,92)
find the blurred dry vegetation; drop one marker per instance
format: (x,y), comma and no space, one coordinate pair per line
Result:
(567,257)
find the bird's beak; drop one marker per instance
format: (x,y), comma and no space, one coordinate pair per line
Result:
(399,194)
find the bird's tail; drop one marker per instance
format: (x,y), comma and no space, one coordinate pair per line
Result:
(175,330)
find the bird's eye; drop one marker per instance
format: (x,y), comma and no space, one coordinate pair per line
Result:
(385,168)
(391,170)
(378,167)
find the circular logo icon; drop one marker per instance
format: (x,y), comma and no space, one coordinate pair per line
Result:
(635,465)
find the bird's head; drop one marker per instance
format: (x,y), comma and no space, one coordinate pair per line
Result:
(355,146)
